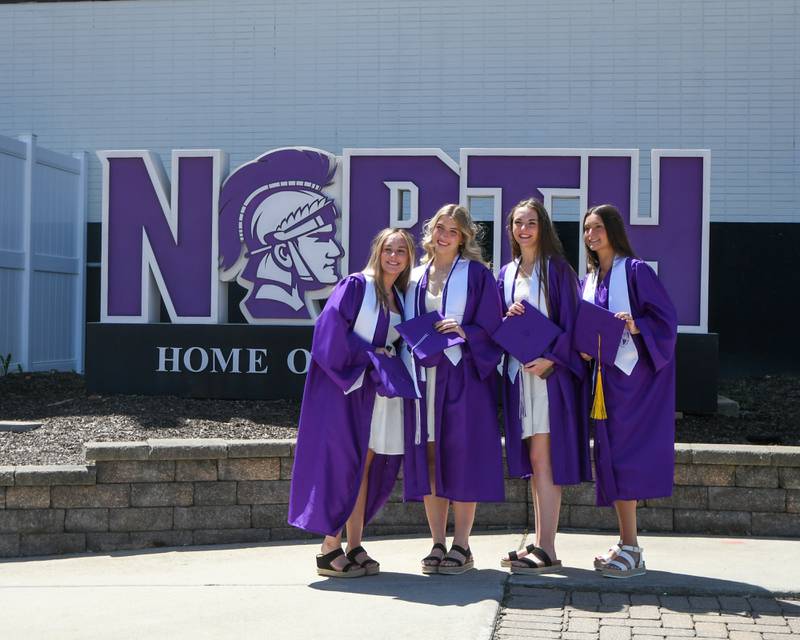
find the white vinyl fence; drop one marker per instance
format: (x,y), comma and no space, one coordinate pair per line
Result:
(42,256)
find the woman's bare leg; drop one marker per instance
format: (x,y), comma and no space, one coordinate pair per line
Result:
(329,543)
(626,515)
(463,516)
(355,523)
(436,508)
(546,495)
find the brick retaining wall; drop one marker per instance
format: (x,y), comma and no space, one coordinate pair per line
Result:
(158,493)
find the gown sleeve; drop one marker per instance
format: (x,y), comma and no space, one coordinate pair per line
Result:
(501,289)
(485,321)
(336,348)
(564,299)
(654,314)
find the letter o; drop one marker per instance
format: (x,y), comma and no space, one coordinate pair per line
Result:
(291,360)
(187,359)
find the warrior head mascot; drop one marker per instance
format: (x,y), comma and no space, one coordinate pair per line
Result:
(278,231)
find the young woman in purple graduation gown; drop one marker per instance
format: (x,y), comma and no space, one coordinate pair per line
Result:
(350,439)
(453,451)
(547,437)
(634,446)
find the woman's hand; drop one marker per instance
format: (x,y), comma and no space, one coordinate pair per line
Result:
(516,309)
(539,366)
(449,325)
(586,356)
(628,321)
(385,351)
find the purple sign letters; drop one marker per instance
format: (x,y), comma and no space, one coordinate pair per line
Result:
(289,224)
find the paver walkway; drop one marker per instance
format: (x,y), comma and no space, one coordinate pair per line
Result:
(554,614)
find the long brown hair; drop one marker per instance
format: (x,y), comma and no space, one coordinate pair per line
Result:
(469,247)
(615,231)
(548,244)
(375,269)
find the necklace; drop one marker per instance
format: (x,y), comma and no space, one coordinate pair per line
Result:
(437,279)
(524,271)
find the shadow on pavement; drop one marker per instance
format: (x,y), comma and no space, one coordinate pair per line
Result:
(461,590)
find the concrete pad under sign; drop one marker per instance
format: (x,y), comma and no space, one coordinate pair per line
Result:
(18,426)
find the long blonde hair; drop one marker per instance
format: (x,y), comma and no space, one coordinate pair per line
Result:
(469,247)
(375,269)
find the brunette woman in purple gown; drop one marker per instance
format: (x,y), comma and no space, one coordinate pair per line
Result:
(453,452)
(350,439)
(634,446)
(547,437)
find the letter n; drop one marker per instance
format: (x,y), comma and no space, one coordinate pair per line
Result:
(156,243)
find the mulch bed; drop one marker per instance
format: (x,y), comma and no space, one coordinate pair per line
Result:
(770,414)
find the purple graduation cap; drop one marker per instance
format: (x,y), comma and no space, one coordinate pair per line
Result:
(527,336)
(391,376)
(425,342)
(597,332)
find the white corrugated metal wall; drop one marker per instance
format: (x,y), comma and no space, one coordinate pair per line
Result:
(42,256)
(247,76)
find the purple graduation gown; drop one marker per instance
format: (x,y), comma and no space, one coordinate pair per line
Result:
(634,447)
(569,426)
(334,429)
(468,453)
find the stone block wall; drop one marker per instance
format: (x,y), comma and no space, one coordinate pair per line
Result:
(158,493)
(736,490)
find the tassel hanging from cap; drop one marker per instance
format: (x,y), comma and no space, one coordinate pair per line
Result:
(599,404)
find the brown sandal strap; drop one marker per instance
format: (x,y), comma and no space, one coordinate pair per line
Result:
(369,562)
(542,555)
(326,561)
(461,550)
(514,555)
(432,558)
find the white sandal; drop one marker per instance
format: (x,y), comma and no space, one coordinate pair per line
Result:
(625,565)
(602,560)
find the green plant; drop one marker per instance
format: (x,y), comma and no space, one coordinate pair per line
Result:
(5,364)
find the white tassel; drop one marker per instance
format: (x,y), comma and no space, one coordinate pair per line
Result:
(418,431)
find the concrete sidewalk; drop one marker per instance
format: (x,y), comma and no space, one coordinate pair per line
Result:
(272,590)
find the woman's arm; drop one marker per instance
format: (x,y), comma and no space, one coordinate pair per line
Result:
(564,304)
(485,321)
(336,348)
(653,313)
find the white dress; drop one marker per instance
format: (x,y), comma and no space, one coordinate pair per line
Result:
(432,303)
(534,404)
(386,428)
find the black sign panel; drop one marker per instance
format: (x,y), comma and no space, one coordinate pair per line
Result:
(243,361)
(256,362)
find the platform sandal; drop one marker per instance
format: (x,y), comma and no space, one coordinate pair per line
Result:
(326,568)
(602,560)
(372,567)
(544,565)
(430,563)
(512,555)
(624,564)
(462,566)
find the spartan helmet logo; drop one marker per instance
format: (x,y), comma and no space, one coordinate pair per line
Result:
(278,232)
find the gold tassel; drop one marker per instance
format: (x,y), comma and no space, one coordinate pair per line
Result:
(599,405)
